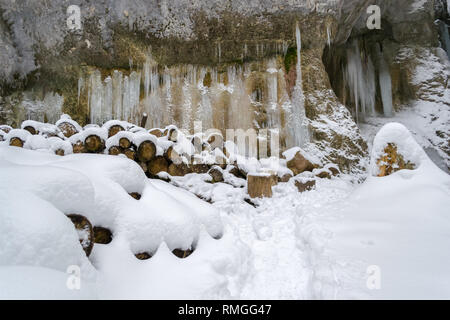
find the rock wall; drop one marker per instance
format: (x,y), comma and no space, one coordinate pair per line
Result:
(212,45)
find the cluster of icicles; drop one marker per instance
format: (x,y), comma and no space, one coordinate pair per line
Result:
(361,79)
(183,95)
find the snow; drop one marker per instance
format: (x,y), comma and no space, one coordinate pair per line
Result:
(317,244)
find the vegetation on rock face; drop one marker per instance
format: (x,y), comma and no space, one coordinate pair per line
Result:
(392,161)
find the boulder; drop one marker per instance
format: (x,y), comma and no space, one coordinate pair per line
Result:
(305,185)
(299,164)
(216,174)
(260,185)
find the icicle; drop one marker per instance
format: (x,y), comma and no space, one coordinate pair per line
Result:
(328,36)
(360,77)
(298,121)
(385,86)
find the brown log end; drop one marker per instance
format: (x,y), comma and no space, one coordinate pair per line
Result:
(85,232)
(260,186)
(115,150)
(130,153)
(16,142)
(59,152)
(113,130)
(79,147)
(182,253)
(146,151)
(124,143)
(31,130)
(157,165)
(67,129)
(135,195)
(102,235)
(94,144)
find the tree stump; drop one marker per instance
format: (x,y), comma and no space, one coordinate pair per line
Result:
(94,144)
(260,186)
(178,170)
(157,165)
(16,142)
(102,235)
(85,232)
(146,151)
(115,129)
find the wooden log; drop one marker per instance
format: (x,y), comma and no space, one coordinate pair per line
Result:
(180,253)
(79,147)
(146,151)
(16,142)
(124,143)
(157,165)
(260,186)
(130,153)
(85,232)
(60,152)
(31,130)
(113,130)
(178,169)
(285,178)
(102,235)
(144,166)
(5,128)
(156,132)
(94,144)
(135,195)
(67,129)
(143,255)
(115,150)
(144,120)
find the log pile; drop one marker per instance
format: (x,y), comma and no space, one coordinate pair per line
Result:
(165,153)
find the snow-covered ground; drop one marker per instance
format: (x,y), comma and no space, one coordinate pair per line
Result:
(388,237)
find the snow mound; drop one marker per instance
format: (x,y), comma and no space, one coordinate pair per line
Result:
(399,135)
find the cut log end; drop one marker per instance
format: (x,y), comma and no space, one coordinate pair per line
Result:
(94,144)
(146,151)
(115,129)
(67,129)
(16,142)
(85,232)
(143,255)
(102,235)
(135,195)
(182,253)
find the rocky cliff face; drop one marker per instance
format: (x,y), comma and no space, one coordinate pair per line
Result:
(225,63)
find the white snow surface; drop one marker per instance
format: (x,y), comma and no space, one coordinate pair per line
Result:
(319,244)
